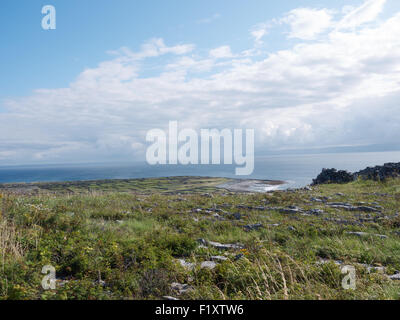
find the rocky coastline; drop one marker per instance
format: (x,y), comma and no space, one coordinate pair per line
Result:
(377,173)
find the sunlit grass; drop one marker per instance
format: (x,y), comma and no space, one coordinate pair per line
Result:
(132,242)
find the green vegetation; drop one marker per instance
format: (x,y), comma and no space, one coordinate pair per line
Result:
(151,185)
(119,244)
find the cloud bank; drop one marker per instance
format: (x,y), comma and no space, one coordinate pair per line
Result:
(338,84)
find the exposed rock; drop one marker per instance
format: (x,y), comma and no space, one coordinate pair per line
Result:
(339,206)
(363,220)
(346,204)
(202,241)
(170,298)
(238,256)
(373,268)
(100,283)
(324,261)
(274,225)
(218,258)
(359,234)
(380,173)
(275,208)
(291,210)
(251,227)
(315,212)
(218,217)
(186,265)
(227,246)
(333,176)
(369,267)
(365,234)
(210,210)
(208,195)
(366,209)
(260,208)
(395,276)
(181,288)
(218,245)
(237,216)
(208,264)
(377,173)
(349,207)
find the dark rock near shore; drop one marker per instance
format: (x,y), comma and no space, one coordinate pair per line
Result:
(380,173)
(333,176)
(377,173)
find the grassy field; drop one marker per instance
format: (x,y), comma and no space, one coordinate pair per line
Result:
(186,239)
(169,185)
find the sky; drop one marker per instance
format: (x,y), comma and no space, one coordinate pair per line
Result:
(306,75)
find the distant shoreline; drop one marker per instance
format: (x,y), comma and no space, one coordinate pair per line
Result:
(251,185)
(163,184)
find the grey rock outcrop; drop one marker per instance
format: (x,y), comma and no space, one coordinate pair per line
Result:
(380,173)
(333,176)
(208,265)
(377,173)
(251,227)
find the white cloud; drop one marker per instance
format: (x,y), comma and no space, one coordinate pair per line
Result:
(7,154)
(185,64)
(258,32)
(153,48)
(367,12)
(342,89)
(347,9)
(221,52)
(306,23)
(214,17)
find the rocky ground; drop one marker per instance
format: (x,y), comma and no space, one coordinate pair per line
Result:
(282,244)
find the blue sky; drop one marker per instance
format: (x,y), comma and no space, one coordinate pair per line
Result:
(86,30)
(80,92)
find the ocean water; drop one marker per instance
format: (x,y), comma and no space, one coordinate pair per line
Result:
(296,170)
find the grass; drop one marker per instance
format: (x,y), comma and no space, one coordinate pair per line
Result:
(144,186)
(123,241)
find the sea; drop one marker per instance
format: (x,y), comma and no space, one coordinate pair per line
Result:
(296,170)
